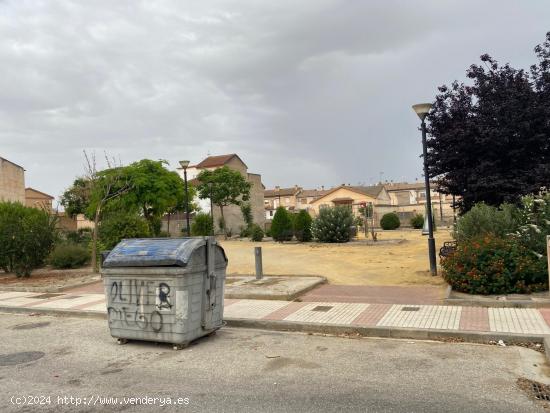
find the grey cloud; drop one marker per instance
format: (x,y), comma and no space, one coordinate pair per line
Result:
(309,92)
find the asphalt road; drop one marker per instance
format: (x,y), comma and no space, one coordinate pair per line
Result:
(254,371)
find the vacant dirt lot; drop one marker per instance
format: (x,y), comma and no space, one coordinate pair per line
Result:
(47,279)
(353,263)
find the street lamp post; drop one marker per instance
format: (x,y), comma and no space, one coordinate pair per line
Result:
(422,110)
(184,165)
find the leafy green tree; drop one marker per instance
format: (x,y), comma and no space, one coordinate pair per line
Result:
(224,186)
(281,226)
(76,199)
(489,140)
(27,237)
(154,191)
(302,226)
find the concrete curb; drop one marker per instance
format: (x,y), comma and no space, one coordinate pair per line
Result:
(480,337)
(53,312)
(472,302)
(282,297)
(386,332)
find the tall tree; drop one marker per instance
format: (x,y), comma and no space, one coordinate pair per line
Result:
(224,186)
(105,187)
(155,191)
(490,141)
(75,200)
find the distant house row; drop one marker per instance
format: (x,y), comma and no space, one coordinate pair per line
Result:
(405,199)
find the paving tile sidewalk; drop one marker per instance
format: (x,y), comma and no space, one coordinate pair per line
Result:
(528,321)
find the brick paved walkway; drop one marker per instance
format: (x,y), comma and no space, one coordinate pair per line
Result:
(438,317)
(374,294)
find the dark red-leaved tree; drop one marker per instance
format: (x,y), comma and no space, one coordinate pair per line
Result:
(490,140)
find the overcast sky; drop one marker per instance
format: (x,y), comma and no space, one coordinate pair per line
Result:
(306,92)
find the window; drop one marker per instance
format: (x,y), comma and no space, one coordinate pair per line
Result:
(270,213)
(303,200)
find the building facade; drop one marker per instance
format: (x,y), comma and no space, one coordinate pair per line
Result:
(232,214)
(37,199)
(355,197)
(409,199)
(12,182)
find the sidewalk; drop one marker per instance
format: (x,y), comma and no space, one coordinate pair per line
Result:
(380,319)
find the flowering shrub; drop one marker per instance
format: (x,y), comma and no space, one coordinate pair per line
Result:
(492,265)
(333,224)
(534,217)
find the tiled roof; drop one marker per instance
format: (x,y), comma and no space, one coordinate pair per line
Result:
(403,186)
(315,193)
(215,161)
(372,191)
(274,193)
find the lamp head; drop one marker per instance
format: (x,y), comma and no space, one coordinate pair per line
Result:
(184,164)
(422,109)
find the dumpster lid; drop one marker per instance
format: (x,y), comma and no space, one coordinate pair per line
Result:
(153,252)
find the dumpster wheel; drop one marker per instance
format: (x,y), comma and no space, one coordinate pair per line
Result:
(180,346)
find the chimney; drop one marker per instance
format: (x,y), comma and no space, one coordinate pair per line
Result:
(277,187)
(322,187)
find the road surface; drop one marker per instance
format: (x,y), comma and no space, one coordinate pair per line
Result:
(238,370)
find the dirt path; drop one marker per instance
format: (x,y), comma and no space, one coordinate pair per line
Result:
(405,263)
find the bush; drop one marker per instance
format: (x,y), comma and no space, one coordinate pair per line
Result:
(417,222)
(268,233)
(69,256)
(116,227)
(390,221)
(245,232)
(534,222)
(333,224)
(281,226)
(483,220)
(302,226)
(202,225)
(492,265)
(256,233)
(82,237)
(26,237)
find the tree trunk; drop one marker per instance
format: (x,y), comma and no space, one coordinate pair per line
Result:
(223,222)
(94,239)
